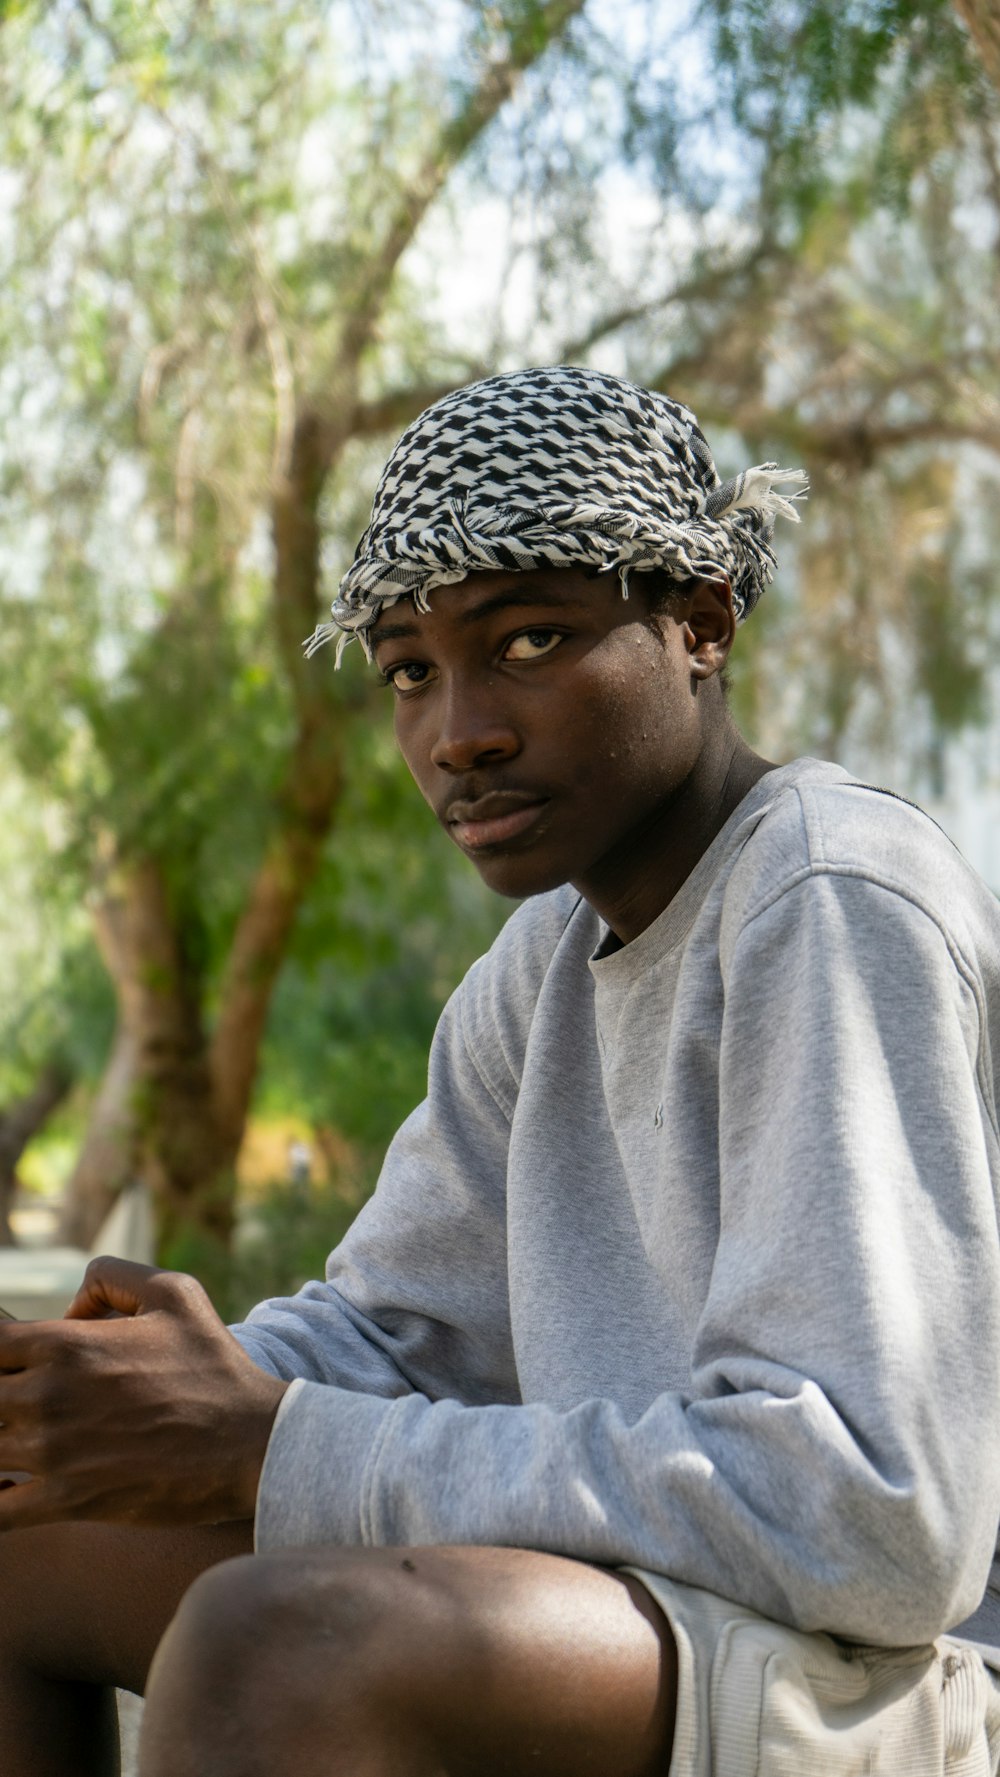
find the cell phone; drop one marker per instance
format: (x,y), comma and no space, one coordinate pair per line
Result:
(5,1316)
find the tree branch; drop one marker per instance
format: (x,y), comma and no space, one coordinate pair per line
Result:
(982,21)
(528,40)
(244,239)
(308,803)
(858,446)
(395,409)
(309,797)
(856,443)
(108,1158)
(704,286)
(22,1120)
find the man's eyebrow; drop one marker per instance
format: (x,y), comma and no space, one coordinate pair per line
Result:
(525,596)
(388,632)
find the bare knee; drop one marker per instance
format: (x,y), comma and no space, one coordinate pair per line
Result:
(345,1615)
(410,1659)
(284,1649)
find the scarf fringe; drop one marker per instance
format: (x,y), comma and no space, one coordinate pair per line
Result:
(565,533)
(753,490)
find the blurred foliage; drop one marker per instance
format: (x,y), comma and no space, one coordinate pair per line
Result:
(284,1243)
(395,918)
(791,73)
(57,1001)
(216,220)
(201,217)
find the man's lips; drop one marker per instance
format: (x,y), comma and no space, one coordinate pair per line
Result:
(493,819)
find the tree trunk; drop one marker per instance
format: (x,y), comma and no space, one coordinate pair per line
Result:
(18,1124)
(172,1108)
(309,795)
(154,1118)
(983,23)
(108,1158)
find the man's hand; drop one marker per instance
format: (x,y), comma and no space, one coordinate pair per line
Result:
(137,1408)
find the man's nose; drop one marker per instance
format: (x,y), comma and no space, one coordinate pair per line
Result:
(474,729)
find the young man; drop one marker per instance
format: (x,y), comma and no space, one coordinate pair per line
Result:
(648,1416)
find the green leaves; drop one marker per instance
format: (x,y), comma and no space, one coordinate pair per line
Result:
(227,233)
(796,73)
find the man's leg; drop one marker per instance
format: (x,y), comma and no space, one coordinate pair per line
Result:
(82,1608)
(454,1662)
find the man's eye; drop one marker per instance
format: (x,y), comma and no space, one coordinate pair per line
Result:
(532,643)
(407,674)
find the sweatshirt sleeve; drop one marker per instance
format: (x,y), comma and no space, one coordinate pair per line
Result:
(833,1463)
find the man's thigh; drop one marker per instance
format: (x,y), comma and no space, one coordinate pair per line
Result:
(89,1602)
(487,1659)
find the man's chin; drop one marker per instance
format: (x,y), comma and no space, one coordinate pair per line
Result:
(518,877)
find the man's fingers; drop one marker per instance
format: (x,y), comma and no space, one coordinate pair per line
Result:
(19,1345)
(19,1449)
(39,1500)
(114,1286)
(24,1504)
(26,1443)
(18,1410)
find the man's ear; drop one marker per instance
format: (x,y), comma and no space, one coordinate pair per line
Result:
(709,625)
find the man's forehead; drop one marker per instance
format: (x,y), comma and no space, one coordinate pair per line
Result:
(478,596)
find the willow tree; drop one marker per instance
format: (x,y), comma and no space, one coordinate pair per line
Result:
(212,316)
(202,313)
(865,344)
(245,246)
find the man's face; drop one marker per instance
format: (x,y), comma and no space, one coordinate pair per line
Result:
(545,721)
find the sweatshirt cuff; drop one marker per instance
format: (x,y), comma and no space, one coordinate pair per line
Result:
(317,1464)
(255,1349)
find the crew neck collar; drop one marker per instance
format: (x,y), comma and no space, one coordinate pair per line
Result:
(666,930)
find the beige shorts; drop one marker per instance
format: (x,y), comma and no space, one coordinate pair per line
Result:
(755,1699)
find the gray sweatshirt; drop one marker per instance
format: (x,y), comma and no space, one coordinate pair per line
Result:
(689,1260)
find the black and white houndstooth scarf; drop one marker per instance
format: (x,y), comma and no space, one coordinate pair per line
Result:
(556,468)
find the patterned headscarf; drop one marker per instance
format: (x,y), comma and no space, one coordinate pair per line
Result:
(556,468)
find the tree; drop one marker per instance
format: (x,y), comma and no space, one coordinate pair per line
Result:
(980,17)
(230,269)
(864,344)
(213,345)
(19,1122)
(53,1001)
